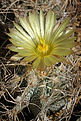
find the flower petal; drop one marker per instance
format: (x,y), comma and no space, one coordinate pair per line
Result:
(54,59)
(63,37)
(65,46)
(37,23)
(66,41)
(25,53)
(62,52)
(28,59)
(27,27)
(60,29)
(22,31)
(21,51)
(42,23)
(41,64)
(59,58)
(50,22)
(20,44)
(34,21)
(62,59)
(36,62)
(46,61)
(16,57)
(48,18)
(20,37)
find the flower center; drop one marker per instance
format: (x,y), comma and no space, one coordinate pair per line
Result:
(42,47)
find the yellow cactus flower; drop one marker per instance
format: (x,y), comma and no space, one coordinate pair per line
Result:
(38,39)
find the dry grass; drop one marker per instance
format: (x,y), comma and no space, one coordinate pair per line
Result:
(58,89)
